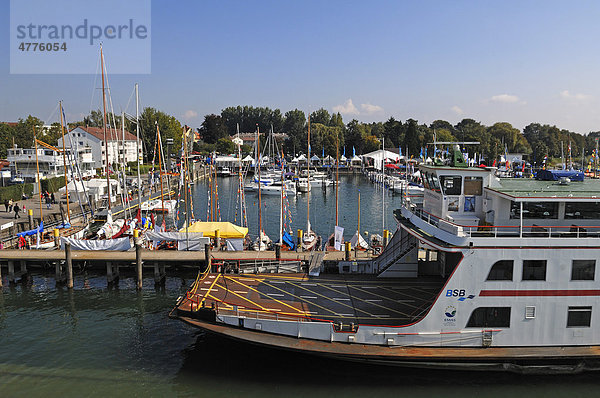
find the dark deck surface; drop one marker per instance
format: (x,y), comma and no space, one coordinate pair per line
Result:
(360,299)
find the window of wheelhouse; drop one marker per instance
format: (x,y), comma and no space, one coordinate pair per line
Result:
(501,271)
(473,186)
(498,317)
(452,185)
(534,210)
(582,210)
(534,270)
(434,184)
(426,180)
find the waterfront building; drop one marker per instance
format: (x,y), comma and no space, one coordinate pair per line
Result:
(93,137)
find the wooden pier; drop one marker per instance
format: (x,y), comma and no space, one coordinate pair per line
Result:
(158,260)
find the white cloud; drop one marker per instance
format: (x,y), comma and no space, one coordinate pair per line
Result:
(457,110)
(505,98)
(577,97)
(190,114)
(347,108)
(370,109)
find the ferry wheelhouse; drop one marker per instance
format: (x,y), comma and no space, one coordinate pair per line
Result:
(487,273)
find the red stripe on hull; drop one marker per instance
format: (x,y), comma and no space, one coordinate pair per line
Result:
(538,293)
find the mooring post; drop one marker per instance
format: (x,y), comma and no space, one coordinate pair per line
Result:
(23,268)
(217,239)
(278,251)
(69,260)
(348,250)
(11,272)
(138,265)
(30,216)
(109,273)
(299,246)
(207,257)
(386,237)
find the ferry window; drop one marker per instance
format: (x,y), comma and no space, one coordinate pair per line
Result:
(501,271)
(473,185)
(534,210)
(435,184)
(534,270)
(583,270)
(579,317)
(582,210)
(490,317)
(451,184)
(426,181)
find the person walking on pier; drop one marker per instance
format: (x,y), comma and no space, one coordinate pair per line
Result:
(10,205)
(6,205)
(17,209)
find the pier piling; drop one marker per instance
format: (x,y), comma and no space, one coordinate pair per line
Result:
(69,261)
(159,274)
(11,272)
(278,251)
(23,271)
(111,275)
(138,265)
(0,277)
(30,217)
(207,256)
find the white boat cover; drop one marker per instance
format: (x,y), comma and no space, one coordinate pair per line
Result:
(360,240)
(196,244)
(119,244)
(172,236)
(236,245)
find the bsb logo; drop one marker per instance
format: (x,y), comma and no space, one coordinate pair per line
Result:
(460,293)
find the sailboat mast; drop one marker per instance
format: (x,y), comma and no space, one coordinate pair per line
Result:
(308,181)
(259,187)
(358,214)
(185,185)
(160,173)
(62,130)
(37,164)
(124,159)
(383,187)
(137,144)
(337,176)
(281,202)
(104,124)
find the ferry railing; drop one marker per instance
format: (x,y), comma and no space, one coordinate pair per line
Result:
(500,231)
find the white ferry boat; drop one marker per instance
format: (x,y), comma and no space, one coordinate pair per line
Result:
(489,273)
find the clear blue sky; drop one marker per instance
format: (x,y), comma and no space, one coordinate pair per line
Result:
(514,61)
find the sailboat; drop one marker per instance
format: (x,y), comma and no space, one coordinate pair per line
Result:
(331,242)
(310,240)
(262,242)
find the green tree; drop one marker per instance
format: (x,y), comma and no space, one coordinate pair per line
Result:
(411,139)
(213,128)
(294,126)
(169,128)
(320,116)
(224,146)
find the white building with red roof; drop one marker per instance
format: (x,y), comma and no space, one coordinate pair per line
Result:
(122,148)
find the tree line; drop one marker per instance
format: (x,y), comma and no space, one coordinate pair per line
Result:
(328,133)
(329,130)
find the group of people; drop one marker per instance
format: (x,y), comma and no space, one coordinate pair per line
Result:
(48,199)
(10,206)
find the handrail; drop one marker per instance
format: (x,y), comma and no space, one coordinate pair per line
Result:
(537,231)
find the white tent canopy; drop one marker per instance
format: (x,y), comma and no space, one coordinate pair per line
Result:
(343,159)
(380,155)
(301,158)
(248,158)
(355,159)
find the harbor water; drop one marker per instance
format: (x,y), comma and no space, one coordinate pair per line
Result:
(322,207)
(95,341)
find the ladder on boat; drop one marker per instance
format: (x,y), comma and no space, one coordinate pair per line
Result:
(399,258)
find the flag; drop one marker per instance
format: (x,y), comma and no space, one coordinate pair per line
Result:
(494,164)
(399,151)
(344,151)
(353,151)
(421,153)
(323,153)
